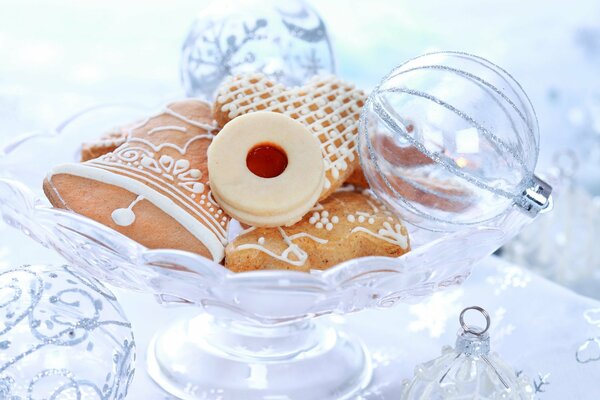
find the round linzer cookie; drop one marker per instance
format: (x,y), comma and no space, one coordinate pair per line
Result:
(266,169)
(347,225)
(329,107)
(154,187)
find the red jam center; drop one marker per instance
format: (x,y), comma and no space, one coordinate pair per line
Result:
(266,160)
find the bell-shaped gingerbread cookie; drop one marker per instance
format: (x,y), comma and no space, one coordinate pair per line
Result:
(154,187)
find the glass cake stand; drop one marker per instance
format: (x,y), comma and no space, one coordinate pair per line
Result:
(256,334)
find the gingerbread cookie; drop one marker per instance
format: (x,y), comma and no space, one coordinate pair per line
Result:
(266,169)
(346,225)
(329,107)
(154,187)
(388,150)
(105,144)
(411,177)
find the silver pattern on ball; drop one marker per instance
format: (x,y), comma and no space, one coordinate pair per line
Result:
(286,41)
(62,335)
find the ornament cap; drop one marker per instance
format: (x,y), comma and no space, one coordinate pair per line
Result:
(473,345)
(536,197)
(472,340)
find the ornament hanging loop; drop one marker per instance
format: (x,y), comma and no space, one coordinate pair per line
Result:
(468,329)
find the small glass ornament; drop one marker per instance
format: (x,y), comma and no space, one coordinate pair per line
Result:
(450,139)
(468,371)
(62,336)
(286,41)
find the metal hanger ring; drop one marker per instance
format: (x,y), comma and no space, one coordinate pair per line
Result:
(467,329)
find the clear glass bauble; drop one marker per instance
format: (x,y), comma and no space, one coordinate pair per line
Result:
(466,378)
(62,336)
(468,371)
(286,41)
(450,139)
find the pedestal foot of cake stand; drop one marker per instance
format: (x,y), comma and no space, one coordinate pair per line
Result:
(206,358)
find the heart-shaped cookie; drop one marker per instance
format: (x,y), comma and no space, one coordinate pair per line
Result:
(329,107)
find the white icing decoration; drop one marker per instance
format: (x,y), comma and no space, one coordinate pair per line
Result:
(181,196)
(308,235)
(299,255)
(198,124)
(181,166)
(170,169)
(321,220)
(166,162)
(167,128)
(125,216)
(202,232)
(209,128)
(181,150)
(387,233)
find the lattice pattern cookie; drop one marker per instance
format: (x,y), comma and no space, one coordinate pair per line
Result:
(329,107)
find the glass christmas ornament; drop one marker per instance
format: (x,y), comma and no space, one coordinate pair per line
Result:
(286,41)
(62,336)
(468,371)
(449,140)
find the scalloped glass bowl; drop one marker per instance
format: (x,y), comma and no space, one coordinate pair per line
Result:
(258,332)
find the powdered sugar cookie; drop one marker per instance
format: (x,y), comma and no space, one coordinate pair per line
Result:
(266,169)
(346,225)
(154,187)
(329,107)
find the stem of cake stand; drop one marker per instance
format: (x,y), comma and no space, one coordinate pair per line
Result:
(207,357)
